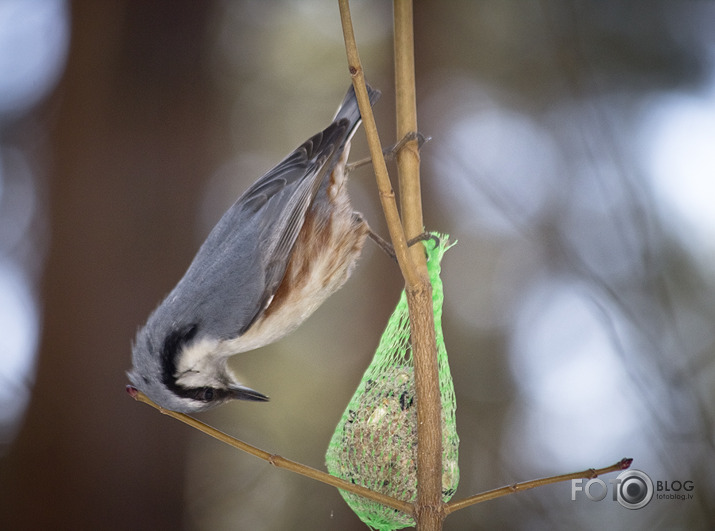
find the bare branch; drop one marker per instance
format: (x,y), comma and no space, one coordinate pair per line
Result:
(623,464)
(276,460)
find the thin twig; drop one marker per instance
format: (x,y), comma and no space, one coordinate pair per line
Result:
(277,460)
(386,193)
(428,507)
(451,507)
(408,157)
(323,477)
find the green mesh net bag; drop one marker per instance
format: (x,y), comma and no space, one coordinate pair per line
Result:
(375,442)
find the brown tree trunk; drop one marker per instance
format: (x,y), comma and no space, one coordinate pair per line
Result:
(127,117)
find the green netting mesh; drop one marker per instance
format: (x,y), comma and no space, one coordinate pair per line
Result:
(375,442)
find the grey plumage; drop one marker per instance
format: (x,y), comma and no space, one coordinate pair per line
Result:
(235,275)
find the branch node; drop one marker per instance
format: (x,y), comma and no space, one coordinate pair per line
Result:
(421,509)
(389,194)
(626,463)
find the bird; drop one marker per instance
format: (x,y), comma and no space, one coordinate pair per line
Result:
(288,242)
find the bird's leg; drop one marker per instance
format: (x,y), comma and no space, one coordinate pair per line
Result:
(391,151)
(382,243)
(423,237)
(390,250)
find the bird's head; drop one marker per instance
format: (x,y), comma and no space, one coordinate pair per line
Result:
(182,371)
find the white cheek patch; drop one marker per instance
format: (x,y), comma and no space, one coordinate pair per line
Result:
(199,364)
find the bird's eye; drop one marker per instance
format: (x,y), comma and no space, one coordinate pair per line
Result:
(207,395)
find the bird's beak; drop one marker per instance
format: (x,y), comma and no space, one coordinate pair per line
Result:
(246,393)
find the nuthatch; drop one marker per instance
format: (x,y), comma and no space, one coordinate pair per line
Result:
(288,243)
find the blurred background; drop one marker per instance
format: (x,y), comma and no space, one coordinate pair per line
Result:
(572,156)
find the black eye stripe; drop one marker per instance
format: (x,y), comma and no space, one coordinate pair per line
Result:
(173,343)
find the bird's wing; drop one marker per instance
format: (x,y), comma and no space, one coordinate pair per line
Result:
(240,266)
(279,201)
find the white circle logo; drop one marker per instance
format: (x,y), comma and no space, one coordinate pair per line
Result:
(634,490)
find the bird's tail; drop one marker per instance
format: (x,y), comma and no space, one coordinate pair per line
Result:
(349,107)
